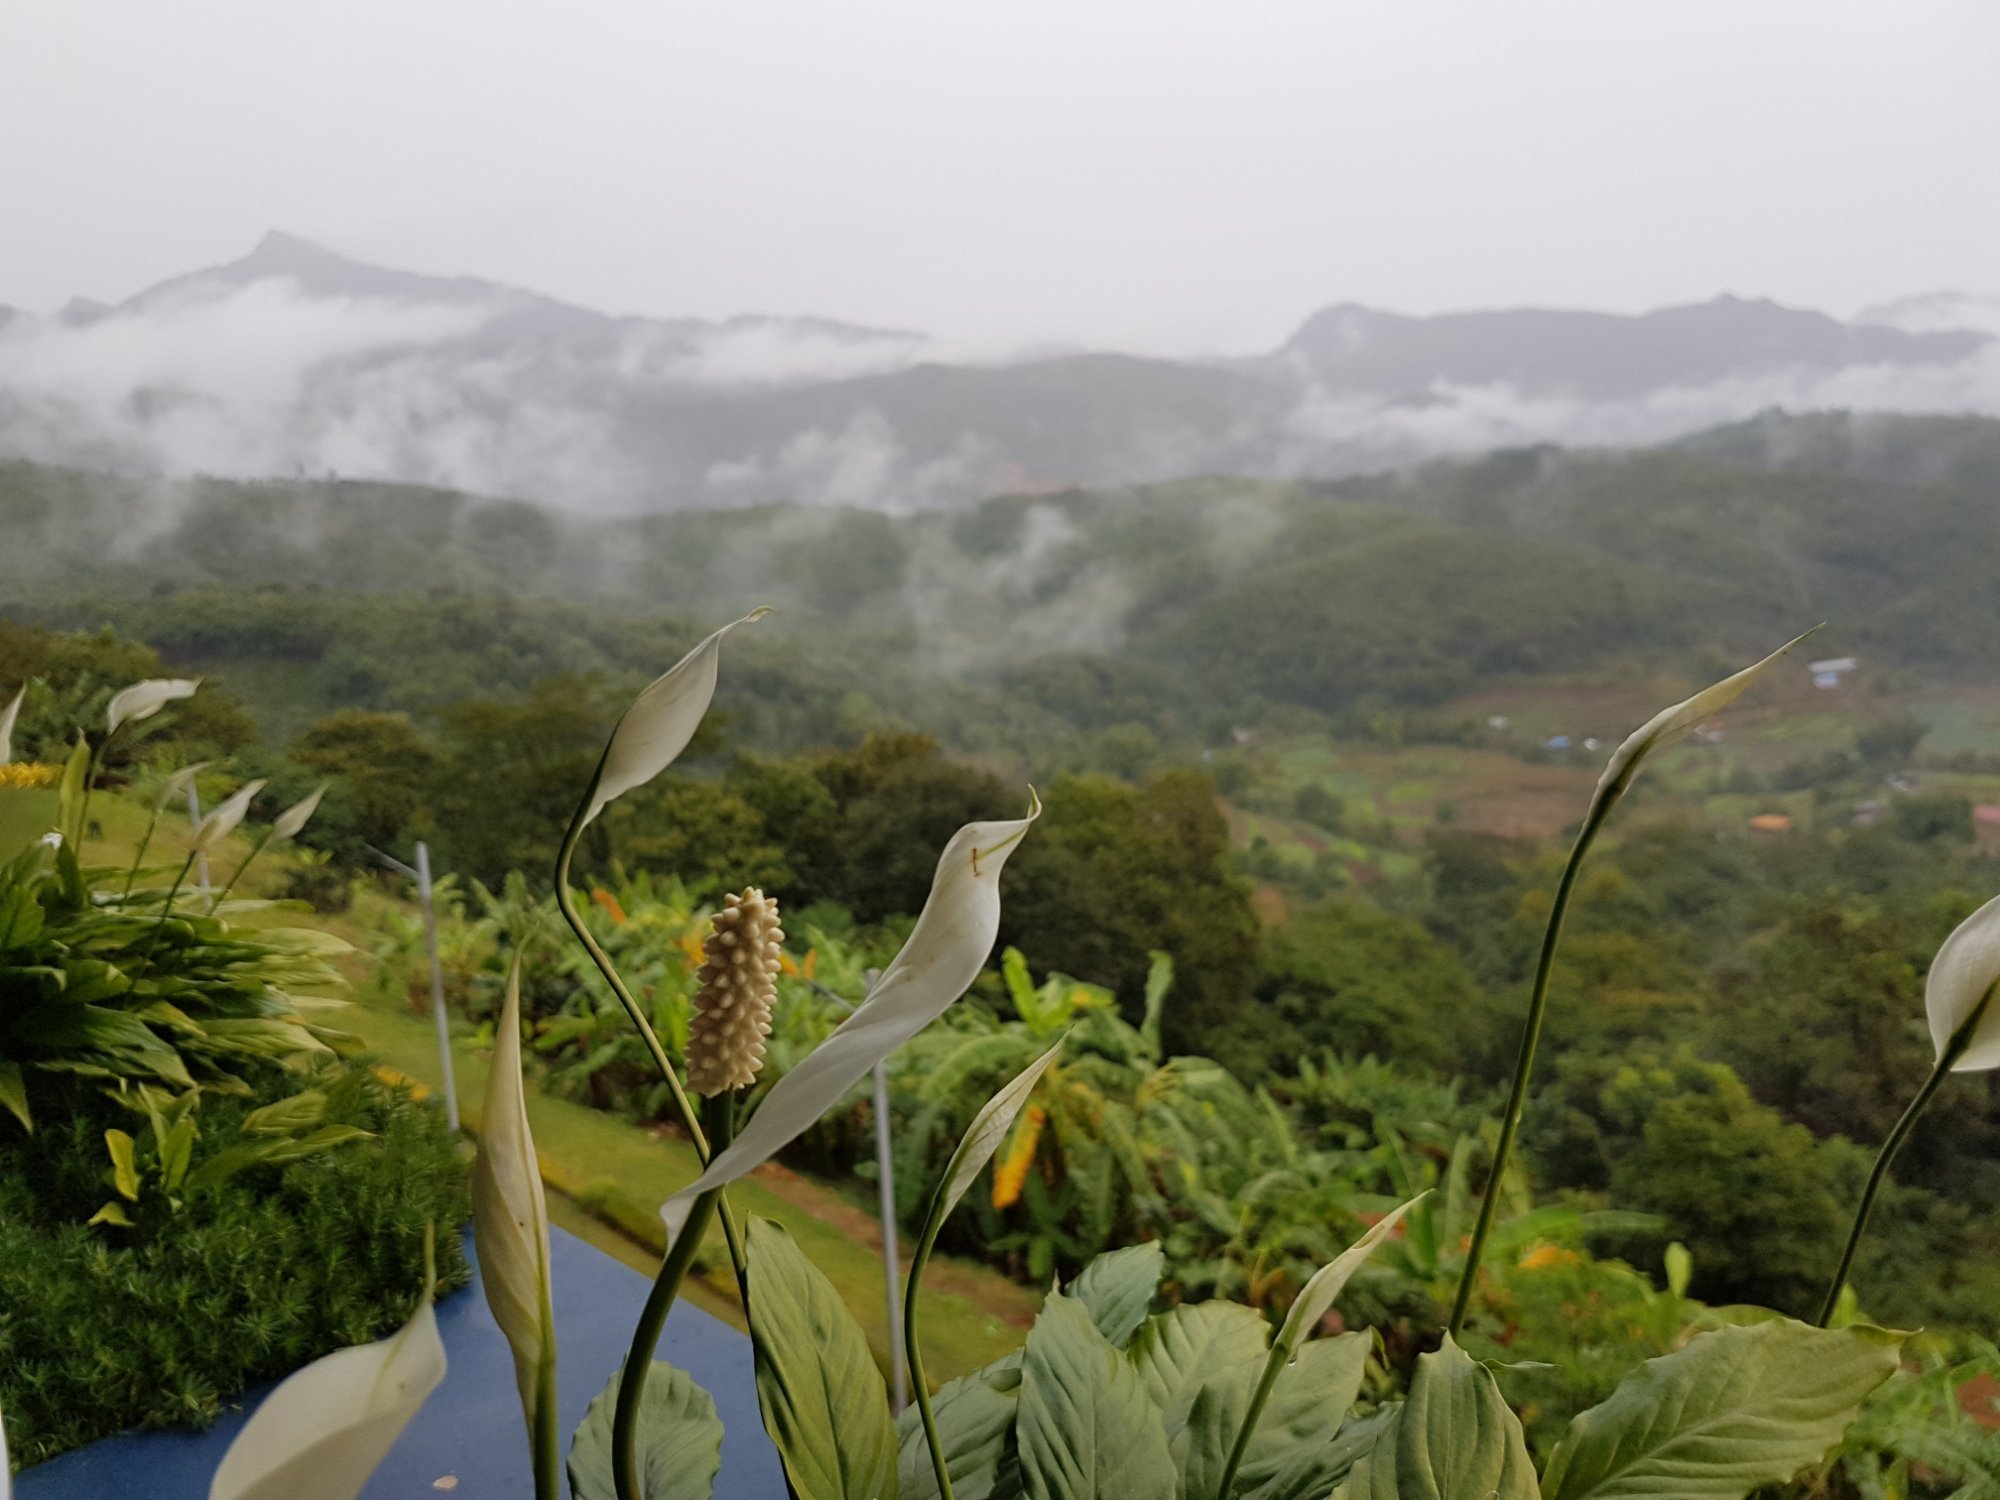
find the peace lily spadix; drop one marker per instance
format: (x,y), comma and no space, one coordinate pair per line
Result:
(1962,1002)
(144,699)
(950,944)
(510,1230)
(988,1129)
(646,740)
(320,1435)
(7,717)
(1619,773)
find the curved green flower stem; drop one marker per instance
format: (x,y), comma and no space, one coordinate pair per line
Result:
(566,904)
(919,1385)
(230,885)
(1954,1049)
(166,910)
(1274,1364)
(546,1439)
(646,1337)
(690,1122)
(1531,1035)
(152,827)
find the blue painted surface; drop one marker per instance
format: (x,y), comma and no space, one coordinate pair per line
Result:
(471,1428)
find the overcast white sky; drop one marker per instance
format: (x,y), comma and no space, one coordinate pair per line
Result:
(1162,174)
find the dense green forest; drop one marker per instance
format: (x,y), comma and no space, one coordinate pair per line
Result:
(1738,1017)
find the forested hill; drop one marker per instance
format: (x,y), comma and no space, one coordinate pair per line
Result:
(1099,606)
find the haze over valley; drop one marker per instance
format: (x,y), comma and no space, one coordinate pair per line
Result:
(297,361)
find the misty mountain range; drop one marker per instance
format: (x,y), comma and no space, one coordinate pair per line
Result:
(298,361)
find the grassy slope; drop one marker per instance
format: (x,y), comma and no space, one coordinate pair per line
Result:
(608,1176)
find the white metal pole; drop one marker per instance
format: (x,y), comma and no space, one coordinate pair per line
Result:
(200,855)
(437,985)
(899,1369)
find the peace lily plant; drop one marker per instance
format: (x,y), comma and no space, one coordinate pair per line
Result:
(1111,1397)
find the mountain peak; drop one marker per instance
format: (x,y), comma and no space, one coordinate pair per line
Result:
(278,251)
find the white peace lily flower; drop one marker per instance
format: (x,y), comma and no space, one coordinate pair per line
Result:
(510,1219)
(952,940)
(321,1434)
(176,785)
(225,820)
(144,699)
(661,721)
(7,718)
(295,817)
(1966,968)
(1670,723)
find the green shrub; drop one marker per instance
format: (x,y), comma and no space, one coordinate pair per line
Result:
(102,1329)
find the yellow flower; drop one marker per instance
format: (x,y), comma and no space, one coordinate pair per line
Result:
(1012,1173)
(27,775)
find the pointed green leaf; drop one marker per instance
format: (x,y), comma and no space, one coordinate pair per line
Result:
(1118,1287)
(1317,1297)
(1087,1429)
(14,1093)
(823,1399)
(321,1433)
(1736,1410)
(124,1169)
(975,1419)
(1454,1439)
(110,1213)
(988,1129)
(680,1440)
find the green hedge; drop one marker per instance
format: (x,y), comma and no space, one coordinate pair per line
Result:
(99,1333)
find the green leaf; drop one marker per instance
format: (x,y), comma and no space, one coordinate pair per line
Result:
(176,1147)
(1301,1416)
(680,1440)
(14,1093)
(1295,1449)
(124,1169)
(1737,1409)
(823,1399)
(1087,1429)
(1176,1352)
(983,1137)
(1315,1473)
(975,1419)
(111,1213)
(1454,1439)
(1117,1288)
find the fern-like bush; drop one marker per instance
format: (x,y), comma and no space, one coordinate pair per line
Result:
(103,1328)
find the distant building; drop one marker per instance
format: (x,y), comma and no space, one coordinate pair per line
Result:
(1771,824)
(1986,823)
(1556,742)
(1829,674)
